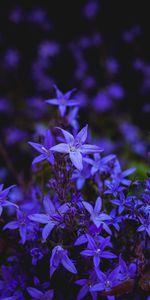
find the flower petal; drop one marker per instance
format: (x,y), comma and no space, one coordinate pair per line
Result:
(47,230)
(88,149)
(35,293)
(82,135)
(11,225)
(68,264)
(62,148)
(98,205)
(36,146)
(76,159)
(48,205)
(68,136)
(88,206)
(40,218)
(52,101)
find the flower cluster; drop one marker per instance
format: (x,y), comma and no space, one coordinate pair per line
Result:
(82,227)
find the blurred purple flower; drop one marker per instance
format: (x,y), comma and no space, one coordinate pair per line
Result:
(62,100)
(3,198)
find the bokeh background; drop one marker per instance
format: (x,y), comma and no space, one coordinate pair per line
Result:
(102,48)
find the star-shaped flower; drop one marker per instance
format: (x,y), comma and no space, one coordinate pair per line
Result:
(97,250)
(3,198)
(76,147)
(52,217)
(62,100)
(97,216)
(44,149)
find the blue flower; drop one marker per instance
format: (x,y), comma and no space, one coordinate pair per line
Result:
(76,147)
(97,217)
(44,149)
(126,272)
(62,100)
(86,284)
(119,175)
(59,255)
(52,218)
(99,164)
(122,202)
(97,251)
(3,198)
(145,224)
(21,223)
(106,281)
(113,187)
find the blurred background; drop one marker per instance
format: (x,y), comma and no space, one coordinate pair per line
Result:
(100,47)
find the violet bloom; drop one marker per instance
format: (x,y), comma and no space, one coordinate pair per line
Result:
(86,284)
(107,281)
(21,223)
(113,187)
(122,202)
(44,149)
(126,272)
(53,217)
(99,164)
(60,256)
(97,217)
(145,224)
(3,198)
(97,251)
(37,294)
(115,219)
(76,147)
(119,175)
(63,100)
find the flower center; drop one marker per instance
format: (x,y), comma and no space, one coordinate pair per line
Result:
(108,284)
(72,148)
(98,251)
(44,149)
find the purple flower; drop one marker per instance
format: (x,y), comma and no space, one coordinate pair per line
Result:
(52,218)
(145,224)
(3,198)
(122,202)
(37,294)
(63,100)
(44,149)
(76,147)
(107,281)
(113,187)
(59,255)
(99,164)
(97,251)
(126,272)
(115,220)
(86,285)
(97,217)
(21,223)
(119,175)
